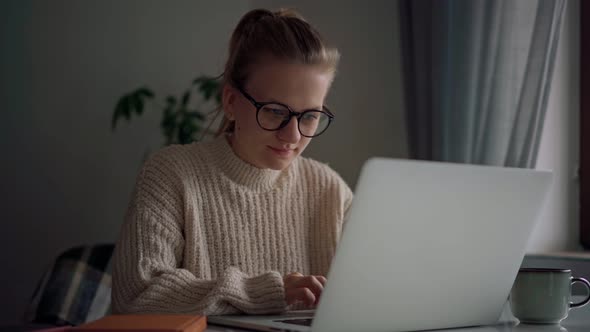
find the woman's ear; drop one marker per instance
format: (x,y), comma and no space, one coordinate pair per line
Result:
(228,101)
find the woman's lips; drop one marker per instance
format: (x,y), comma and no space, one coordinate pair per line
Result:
(281,152)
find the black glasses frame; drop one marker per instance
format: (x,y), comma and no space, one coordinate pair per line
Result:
(297,115)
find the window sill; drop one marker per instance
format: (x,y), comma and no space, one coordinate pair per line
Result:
(567,255)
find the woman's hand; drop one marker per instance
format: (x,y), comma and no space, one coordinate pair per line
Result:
(306,289)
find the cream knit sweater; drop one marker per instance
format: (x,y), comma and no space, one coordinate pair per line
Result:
(207,233)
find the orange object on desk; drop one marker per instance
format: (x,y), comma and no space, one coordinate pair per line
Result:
(150,322)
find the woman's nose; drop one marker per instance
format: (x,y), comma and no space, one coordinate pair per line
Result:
(290,133)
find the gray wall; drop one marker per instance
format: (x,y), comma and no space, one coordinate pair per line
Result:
(67,178)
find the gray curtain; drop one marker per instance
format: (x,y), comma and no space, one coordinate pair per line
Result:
(477,77)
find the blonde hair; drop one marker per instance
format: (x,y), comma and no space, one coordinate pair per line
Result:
(283,35)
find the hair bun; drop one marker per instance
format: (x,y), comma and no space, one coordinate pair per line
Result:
(289,13)
(254,16)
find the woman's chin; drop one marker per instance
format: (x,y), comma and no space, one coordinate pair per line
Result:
(278,164)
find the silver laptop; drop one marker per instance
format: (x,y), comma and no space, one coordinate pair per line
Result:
(427,245)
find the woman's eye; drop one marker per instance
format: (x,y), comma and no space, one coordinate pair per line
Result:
(275,111)
(309,116)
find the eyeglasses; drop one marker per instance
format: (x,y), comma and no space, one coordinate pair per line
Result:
(274,116)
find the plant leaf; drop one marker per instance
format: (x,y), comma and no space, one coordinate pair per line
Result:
(203,78)
(127,106)
(145,92)
(118,112)
(218,97)
(171,101)
(185,132)
(130,103)
(186,97)
(208,86)
(137,103)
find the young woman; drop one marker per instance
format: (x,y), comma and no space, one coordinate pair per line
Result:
(241,223)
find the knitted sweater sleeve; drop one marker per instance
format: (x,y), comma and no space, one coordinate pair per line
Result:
(147,270)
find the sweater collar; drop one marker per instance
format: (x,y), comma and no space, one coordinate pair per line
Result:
(241,172)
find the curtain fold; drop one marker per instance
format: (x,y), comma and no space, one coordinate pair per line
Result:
(477,77)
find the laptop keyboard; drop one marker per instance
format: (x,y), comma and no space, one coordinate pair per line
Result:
(300,321)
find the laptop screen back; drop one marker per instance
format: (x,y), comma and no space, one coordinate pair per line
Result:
(430,245)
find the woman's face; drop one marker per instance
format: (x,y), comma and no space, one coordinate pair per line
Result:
(301,87)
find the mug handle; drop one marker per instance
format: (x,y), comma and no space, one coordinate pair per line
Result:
(587,299)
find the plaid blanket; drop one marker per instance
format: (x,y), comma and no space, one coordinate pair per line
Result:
(76,289)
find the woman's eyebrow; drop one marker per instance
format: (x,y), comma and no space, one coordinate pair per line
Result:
(272,100)
(313,109)
(317,108)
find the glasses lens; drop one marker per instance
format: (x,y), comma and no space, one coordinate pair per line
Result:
(271,116)
(313,123)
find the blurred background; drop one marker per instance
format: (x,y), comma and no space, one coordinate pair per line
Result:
(66,177)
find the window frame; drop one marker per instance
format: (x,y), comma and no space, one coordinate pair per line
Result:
(584,171)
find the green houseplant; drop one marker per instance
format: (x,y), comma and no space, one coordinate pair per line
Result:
(181,122)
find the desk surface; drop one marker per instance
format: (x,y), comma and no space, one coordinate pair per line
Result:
(577,321)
